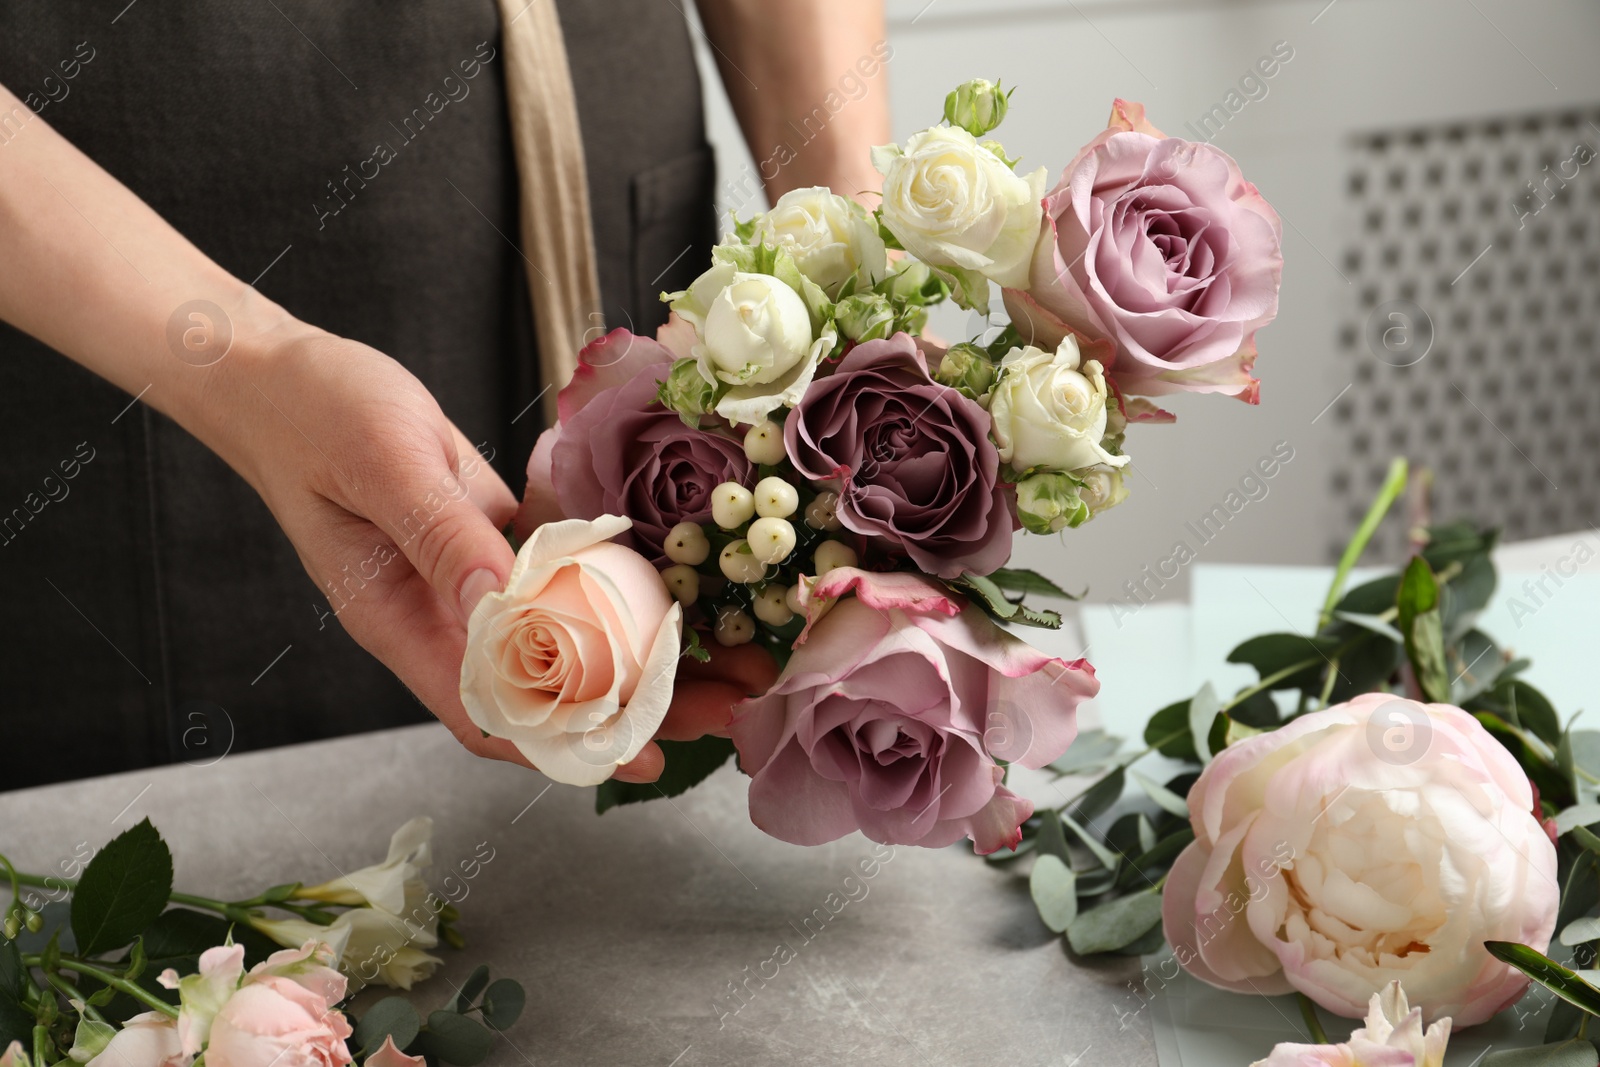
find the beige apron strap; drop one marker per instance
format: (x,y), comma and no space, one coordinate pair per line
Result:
(557,238)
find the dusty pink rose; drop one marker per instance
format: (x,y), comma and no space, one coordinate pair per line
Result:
(912,458)
(619,452)
(1375,841)
(890,717)
(1159,246)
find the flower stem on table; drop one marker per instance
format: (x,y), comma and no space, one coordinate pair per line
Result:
(1308,1011)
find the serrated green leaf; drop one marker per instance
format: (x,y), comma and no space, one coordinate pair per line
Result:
(688,763)
(503,1003)
(1022,580)
(390,1017)
(122,891)
(456,1039)
(1115,923)
(1054,889)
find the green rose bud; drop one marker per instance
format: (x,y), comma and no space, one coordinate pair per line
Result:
(910,283)
(967,368)
(977,106)
(1048,502)
(865,317)
(687,392)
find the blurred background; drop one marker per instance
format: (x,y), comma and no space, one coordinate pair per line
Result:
(1434,162)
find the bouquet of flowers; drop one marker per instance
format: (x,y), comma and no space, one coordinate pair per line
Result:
(790,503)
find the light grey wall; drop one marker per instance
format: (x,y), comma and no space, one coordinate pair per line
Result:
(1358,65)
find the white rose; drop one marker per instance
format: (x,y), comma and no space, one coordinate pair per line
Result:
(388,885)
(574,662)
(1101,487)
(831,238)
(1047,412)
(958,207)
(754,334)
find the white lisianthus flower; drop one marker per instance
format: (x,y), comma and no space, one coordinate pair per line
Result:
(1393,1032)
(959,208)
(754,334)
(388,885)
(1049,411)
(367,945)
(831,238)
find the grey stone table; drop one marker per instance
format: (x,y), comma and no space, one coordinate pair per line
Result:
(629,929)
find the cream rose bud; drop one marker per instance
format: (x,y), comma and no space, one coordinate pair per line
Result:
(574,662)
(959,208)
(1049,413)
(1101,487)
(831,238)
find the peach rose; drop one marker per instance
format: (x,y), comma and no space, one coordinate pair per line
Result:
(574,662)
(390,1056)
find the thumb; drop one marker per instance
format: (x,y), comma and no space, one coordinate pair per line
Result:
(453,545)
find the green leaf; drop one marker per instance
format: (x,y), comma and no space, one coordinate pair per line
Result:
(1107,858)
(1474,664)
(1051,840)
(12,973)
(1165,798)
(1575,1053)
(1581,931)
(1203,709)
(1534,711)
(1547,972)
(1022,580)
(1155,858)
(476,982)
(1054,889)
(1099,797)
(179,935)
(1554,783)
(1115,924)
(992,599)
(688,763)
(1275,654)
(15,1024)
(122,891)
(1577,815)
(1420,621)
(456,1039)
(1168,733)
(1094,750)
(1373,623)
(503,1003)
(390,1017)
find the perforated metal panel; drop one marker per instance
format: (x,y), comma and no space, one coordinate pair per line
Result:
(1473,253)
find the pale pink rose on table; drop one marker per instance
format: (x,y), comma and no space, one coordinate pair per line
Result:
(891,716)
(1393,1037)
(1160,247)
(574,661)
(146,1040)
(1375,841)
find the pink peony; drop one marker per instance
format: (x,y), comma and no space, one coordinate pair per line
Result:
(1159,246)
(619,452)
(1393,1037)
(1374,841)
(892,714)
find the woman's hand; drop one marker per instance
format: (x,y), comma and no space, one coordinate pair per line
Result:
(393,513)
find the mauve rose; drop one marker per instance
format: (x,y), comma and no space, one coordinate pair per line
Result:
(913,459)
(618,452)
(1160,246)
(892,713)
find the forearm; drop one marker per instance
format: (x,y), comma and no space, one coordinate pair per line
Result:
(92,271)
(809,84)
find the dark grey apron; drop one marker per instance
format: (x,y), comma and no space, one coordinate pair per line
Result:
(152,610)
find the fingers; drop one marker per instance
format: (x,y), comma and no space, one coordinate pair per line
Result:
(645,767)
(456,548)
(700,708)
(485,488)
(749,667)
